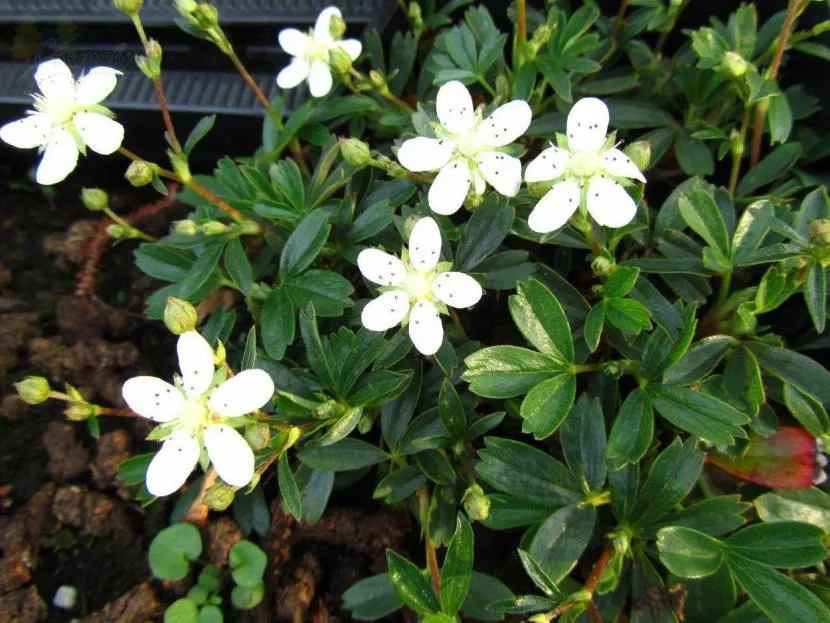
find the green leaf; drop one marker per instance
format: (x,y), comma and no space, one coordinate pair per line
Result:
(815,296)
(807,410)
(780,118)
(484,589)
(410,585)
(584,444)
(698,413)
(702,214)
(688,553)
(247,563)
(547,405)
(276,323)
(316,353)
(238,267)
(560,541)
(632,430)
(538,575)
(203,268)
(172,551)
(648,594)
(541,319)
(133,471)
(288,488)
(699,360)
(457,570)
(378,387)
(713,516)
(400,484)
(345,455)
(199,132)
(435,466)
(304,244)
(483,233)
(783,600)
(807,505)
(181,611)
(794,368)
(247,597)
(210,614)
(163,262)
(627,315)
(621,281)
(769,169)
(329,292)
(711,597)
(789,544)
(742,380)
(372,598)
(507,371)
(593,325)
(452,411)
(693,155)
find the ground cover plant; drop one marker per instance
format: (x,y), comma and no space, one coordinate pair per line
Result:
(537,278)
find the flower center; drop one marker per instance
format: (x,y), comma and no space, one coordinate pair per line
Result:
(419,285)
(316,51)
(192,415)
(584,163)
(60,111)
(468,144)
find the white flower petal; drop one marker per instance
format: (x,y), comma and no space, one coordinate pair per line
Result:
(548,165)
(587,125)
(507,123)
(450,187)
(293,41)
(195,363)
(152,398)
(425,328)
(457,289)
(616,163)
(95,85)
(424,154)
(555,208)
(502,172)
(59,159)
(319,79)
(293,74)
(425,245)
(244,393)
(230,455)
(454,106)
(100,133)
(322,27)
(55,81)
(172,464)
(609,204)
(32,131)
(381,268)
(386,311)
(353,47)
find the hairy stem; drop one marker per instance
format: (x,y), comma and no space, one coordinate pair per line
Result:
(165,115)
(590,584)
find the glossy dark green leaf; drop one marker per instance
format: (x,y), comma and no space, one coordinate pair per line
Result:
(199,132)
(583,442)
(632,430)
(815,296)
(628,315)
(688,553)
(699,360)
(806,505)
(435,466)
(163,262)
(372,598)
(344,455)
(693,155)
(701,213)
(769,169)
(621,281)
(788,544)
(698,413)
(542,321)
(547,405)
(711,597)
(484,589)
(277,323)
(316,353)
(807,410)
(304,244)
(396,414)
(457,569)
(593,325)
(410,585)
(452,411)
(742,380)
(483,233)
(794,368)
(329,292)
(288,488)
(507,371)
(400,484)
(341,428)
(713,516)
(202,269)
(650,601)
(561,539)
(377,387)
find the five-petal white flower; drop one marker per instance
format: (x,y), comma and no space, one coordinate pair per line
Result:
(587,163)
(466,149)
(310,52)
(195,413)
(415,288)
(67,118)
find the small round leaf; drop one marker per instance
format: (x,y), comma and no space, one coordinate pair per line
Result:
(247,563)
(173,549)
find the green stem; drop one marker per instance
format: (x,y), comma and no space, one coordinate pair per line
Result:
(120,221)
(483,82)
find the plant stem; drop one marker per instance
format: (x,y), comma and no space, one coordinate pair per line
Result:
(432,558)
(591,583)
(197,512)
(619,18)
(457,322)
(120,221)
(661,40)
(772,72)
(738,153)
(521,23)
(165,114)
(115,412)
(383,92)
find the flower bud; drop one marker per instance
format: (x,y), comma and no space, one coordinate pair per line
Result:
(476,503)
(640,154)
(33,390)
(118,232)
(612,369)
(219,496)
(207,16)
(339,60)
(219,354)
(128,7)
(180,166)
(376,79)
(81,411)
(416,18)
(257,435)
(818,233)
(537,190)
(248,227)
(186,7)
(150,69)
(153,51)
(601,266)
(139,173)
(213,228)
(355,151)
(95,199)
(185,227)
(179,316)
(337,27)
(733,64)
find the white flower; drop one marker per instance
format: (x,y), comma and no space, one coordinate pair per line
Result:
(67,118)
(196,415)
(415,288)
(588,163)
(466,149)
(310,54)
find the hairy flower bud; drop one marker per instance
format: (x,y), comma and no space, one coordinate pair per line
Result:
(337,27)
(377,79)
(213,228)
(219,496)
(179,316)
(95,199)
(339,60)
(257,435)
(118,232)
(355,151)
(139,173)
(33,390)
(733,64)
(81,411)
(601,266)
(185,227)
(206,15)
(153,51)
(476,503)
(128,7)
(818,233)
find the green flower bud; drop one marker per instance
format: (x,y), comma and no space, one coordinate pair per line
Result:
(736,144)
(337,27)
(139,173)
(339,60)
(612,369)
(294,434)
(128,7)
(476,503)
(248,227)
(179,316)
(355,151)
(416,18)
(601,266)
(81,411)
(640,154)
(219,496)
(818,233)
(95,199)
(377,79)
(118,232)
(213,228)
(733,64)
(207,16)
(33,390)
(257,435)
(153,51)
(180,166)
(219,354)
(537,190)
(147,67)
(185,228)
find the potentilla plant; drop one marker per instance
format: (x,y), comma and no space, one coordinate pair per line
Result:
(637,410)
